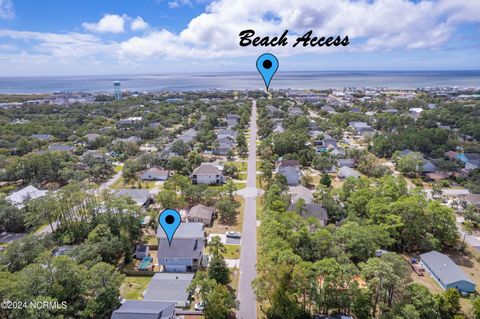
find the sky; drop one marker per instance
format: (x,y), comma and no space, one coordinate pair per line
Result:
(90,37)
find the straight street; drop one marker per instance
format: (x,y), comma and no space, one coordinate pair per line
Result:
(248,253)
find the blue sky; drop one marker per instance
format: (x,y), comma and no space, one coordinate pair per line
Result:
(55,37)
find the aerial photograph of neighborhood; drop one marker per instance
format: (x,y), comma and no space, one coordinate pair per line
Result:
(217,159)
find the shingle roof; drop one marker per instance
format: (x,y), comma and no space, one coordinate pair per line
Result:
(186,231)
(140,196)
(206,169)
(287,163)
(444,268)
(169,287)
(144,309)
(312,210)
(202,211)
(17,198)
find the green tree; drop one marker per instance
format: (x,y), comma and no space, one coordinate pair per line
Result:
(326,180)
(448,303)
(411,164)
(476,307)
(219,303)
(227,209)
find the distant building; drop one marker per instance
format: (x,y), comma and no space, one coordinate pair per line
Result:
(201,214)
(19,198)
(141,197)
(313,210)
(155,174)
(117,90)
(208,174)
(290,169)
(346,172)
(446,272)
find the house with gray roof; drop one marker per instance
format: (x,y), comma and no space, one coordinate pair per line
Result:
(61,148)
(290,169)
(224,145)
(42,137)
(301,192)
(346,172)
(428,167)
(223,134)
(154,174)
(185,253)
(446,272)
(145,309)
(348,162)
(170,287)
(201,214)
(207,174)
(19,198)
(188,136)
(141,197)
(312,210)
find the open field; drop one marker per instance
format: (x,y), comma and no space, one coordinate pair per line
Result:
(133,286)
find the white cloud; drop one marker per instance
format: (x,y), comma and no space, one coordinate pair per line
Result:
(110,23)
(138,24)
(180,3)
(370,25)
(6,9)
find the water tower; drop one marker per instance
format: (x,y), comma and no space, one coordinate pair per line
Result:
(118,90)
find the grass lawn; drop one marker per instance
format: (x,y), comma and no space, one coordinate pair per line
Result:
(133,286)
(117,168)
(234,278)
(240,185)
(242,176)
(120,184)
(219,228)
(258,163)
(233,251)
(241,166)
(259,207)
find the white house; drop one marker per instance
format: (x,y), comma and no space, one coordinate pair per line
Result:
(208,174)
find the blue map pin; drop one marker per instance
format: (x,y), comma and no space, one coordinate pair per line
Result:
(267,65)
(169,220)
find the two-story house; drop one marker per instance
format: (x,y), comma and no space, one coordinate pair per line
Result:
(186,250)
(207,173)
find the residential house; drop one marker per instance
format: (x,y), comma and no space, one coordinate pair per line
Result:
(201,214)
(185,253)
(145,309)
(61,148)
(224,134)
(348,162)
(290,169)
(62,250)
(391,111)
(131,139)
(42,137)
(361,128)
(301,192)
(273,111)
(92,137)
(328,109)
(446,272)
(232,120)
(141,197)
(130,122)
(155,174)
(208,174)
(428,167)
(338,152)
(223,146)
(346,172)
(312,210)
(19,198)
(471,160)
(279,128)
(148,148)
(188,136)
(295,111)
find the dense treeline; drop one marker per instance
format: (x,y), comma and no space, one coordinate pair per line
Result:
(305,269)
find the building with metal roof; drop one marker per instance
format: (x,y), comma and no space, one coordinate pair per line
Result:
(446,272)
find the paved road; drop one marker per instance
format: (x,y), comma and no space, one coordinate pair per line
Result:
(248,253)
(111,181)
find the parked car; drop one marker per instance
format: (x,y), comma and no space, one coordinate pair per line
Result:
(199,306)
(234,234)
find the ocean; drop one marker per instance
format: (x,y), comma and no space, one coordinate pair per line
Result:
(241,81)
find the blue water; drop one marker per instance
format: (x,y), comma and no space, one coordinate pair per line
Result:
(241,80)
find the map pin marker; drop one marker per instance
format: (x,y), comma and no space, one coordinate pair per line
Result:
(267,65)
(169,220)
